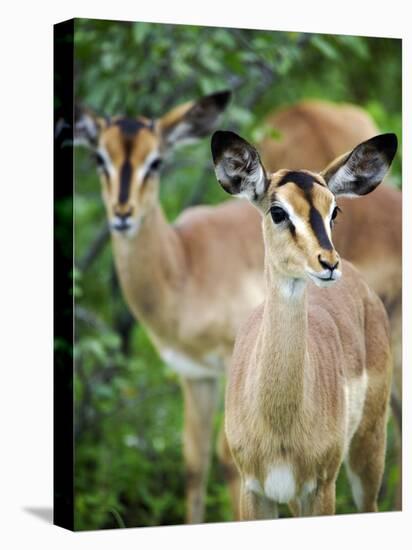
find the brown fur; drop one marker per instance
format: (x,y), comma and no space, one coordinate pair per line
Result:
(291,410)
(319,130)
(168,276)
(174,269)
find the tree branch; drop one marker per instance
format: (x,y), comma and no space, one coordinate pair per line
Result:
(96,247)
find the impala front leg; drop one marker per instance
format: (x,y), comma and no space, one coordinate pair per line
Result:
(230,471)
(200,402)
(324,500)
(254,506)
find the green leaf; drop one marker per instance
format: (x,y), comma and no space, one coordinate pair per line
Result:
(325,47)
(140,31)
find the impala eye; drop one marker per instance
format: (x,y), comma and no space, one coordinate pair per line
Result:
(153,168)
(101,166)
(98,157)
(278,214)
(155,165)
(335,212)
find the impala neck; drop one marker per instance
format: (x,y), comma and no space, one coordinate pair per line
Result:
(150,266)
(281,352)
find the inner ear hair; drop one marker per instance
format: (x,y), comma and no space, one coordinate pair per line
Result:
(238,167)
(88,126)
(361,170)
(194,119)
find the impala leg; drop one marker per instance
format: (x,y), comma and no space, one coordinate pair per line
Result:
(295,507)
(254,506)
(365,464)
(396,406)
(302,506)
(323,503)
(365,460)
(396,397)
(230,472)
(200,402)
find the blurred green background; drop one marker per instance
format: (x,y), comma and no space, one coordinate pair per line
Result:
(128,406)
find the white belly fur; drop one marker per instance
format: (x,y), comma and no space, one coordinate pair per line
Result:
(355,392)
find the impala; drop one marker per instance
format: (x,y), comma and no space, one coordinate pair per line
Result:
(312,133)
(310,378)
(186,284)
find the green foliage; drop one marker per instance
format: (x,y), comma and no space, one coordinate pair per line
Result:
(129,468)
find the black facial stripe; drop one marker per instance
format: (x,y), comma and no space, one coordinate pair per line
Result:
(131,126)
(125,177)
(316,222)
(301,179)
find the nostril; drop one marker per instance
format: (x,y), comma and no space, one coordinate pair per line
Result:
(326,264)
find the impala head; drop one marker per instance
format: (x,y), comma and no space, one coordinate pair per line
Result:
(299,207)
(129,153)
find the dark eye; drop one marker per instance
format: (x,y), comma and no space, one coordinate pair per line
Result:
(335,212)
(155,165)
(278,214)
(99,160)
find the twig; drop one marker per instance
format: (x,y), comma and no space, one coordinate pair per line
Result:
(91,319)
(95,248)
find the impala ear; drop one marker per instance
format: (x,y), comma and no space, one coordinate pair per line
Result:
(193,120)
(87,127)
(238,167)
(362,170)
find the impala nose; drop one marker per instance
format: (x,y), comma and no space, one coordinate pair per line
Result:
(123,217)
(327,265)
(121,220)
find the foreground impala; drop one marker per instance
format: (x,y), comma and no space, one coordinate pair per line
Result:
(311,134)
(310,378)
